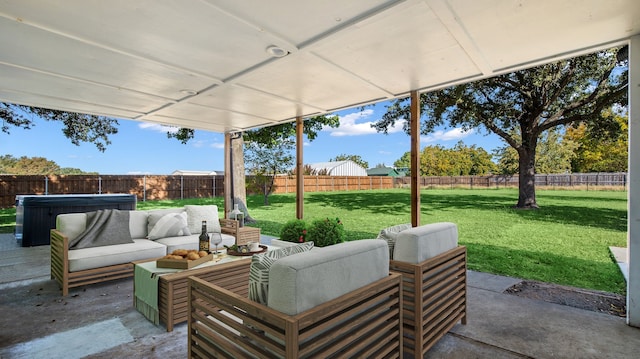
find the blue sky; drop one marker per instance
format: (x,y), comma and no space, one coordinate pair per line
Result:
(143,148)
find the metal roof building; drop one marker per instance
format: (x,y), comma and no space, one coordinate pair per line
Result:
(338,168)
(196,173)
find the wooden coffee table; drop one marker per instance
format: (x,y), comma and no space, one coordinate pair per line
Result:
(172,301)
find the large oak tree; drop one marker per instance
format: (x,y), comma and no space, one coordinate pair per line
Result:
(520,106)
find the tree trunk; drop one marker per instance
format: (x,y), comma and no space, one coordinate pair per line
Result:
(527,177)
(239,180)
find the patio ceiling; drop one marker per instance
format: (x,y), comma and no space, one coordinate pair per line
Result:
(204,64)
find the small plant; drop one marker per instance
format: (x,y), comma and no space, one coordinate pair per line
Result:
(325,232)
(294,231)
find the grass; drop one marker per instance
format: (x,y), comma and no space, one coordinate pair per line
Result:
(565,242)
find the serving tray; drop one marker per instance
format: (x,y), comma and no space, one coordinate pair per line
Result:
(182,263)
(235,253)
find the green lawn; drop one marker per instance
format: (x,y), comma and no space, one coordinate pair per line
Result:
(566,241)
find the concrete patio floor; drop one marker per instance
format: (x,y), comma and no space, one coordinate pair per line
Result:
(99,321)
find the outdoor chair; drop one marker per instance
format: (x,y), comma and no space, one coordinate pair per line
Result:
(336,301)
(434,285)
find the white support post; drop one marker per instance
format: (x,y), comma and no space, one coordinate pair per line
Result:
(633,226)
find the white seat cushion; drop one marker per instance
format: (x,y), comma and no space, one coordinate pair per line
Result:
(96,257)
(418,244)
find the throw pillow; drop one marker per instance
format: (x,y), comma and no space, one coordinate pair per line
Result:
(260,265)
(391,235)
(197,214)
(167,225)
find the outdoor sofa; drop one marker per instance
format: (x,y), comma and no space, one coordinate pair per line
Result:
(151,234)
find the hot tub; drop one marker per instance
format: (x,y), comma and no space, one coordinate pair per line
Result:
(36,214)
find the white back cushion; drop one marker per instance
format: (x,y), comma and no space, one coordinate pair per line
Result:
(71,224)
(418,244)
(138,224)
(302,281)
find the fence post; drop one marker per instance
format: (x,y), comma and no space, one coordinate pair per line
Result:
(46,185)
(144,188)
(99,185)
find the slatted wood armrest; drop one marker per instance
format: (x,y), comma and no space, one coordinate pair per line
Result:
(60,259)
(229,226)
(435,298)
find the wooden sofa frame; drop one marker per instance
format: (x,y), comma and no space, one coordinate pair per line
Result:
(365,323)
(435,298)
(66,279)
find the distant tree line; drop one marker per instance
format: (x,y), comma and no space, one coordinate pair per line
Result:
(35,166)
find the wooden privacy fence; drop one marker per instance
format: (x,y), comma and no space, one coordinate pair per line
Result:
(287,184)
(145,187)
(156,187)
(583,180)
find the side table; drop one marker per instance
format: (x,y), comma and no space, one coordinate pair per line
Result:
(246,235)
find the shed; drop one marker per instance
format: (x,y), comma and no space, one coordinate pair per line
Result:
(384,171)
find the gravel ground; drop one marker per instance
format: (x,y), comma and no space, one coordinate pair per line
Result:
(596,301)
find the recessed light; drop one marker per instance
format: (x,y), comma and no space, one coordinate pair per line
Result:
(189,92)
(276,51)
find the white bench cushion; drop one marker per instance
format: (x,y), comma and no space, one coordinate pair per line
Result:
(97,257)
(305,280)
(418,244)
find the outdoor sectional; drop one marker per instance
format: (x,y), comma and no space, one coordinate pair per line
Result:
(77,267)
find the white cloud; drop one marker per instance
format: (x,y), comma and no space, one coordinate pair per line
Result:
(198,143)
(158,127)
(454,134)
(217,145)
(349,127)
